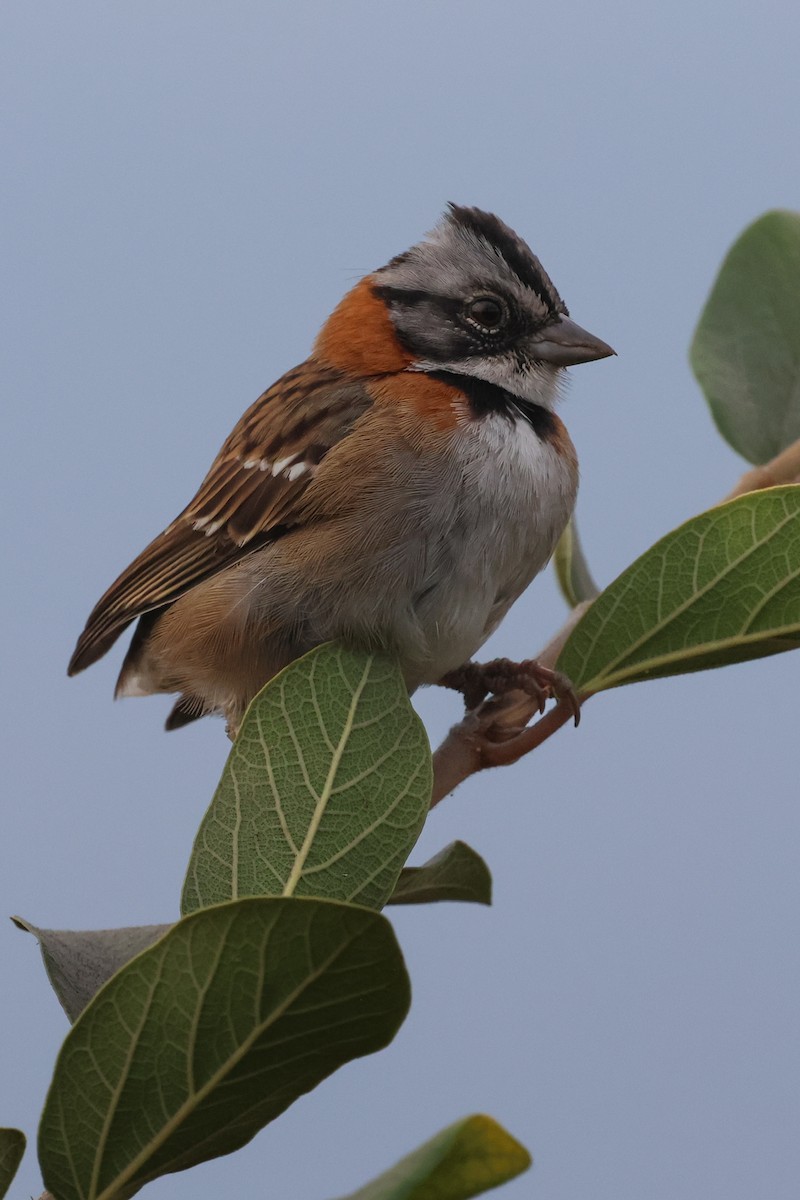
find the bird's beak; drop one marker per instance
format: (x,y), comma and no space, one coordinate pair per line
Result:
(564,344)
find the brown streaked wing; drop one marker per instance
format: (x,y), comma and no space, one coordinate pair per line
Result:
(240,504)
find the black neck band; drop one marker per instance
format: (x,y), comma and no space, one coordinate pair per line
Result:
(489,398)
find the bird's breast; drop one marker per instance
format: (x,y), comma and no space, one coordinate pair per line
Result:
(427,553)
(519,491)
(511,494)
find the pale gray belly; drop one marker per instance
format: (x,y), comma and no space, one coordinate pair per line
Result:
(516,496)
(437,574)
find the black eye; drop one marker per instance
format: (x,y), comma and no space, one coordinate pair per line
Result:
(486,312)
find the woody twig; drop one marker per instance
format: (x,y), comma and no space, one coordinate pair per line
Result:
(499,732)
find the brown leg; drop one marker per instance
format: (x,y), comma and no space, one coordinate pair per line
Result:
(476,681)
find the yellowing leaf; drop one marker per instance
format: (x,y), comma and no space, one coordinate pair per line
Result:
(572,570)
(464,1160)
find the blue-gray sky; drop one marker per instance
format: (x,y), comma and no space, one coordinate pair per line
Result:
(187,190)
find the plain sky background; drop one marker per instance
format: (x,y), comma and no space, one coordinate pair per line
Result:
(187,190)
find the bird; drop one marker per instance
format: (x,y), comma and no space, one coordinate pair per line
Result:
(397,491)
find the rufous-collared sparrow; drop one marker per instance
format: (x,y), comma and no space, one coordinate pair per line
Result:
(398,490)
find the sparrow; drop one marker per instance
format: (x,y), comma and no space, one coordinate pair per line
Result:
(398,490)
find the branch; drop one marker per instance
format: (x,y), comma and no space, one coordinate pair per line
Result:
(498,732)
(783,468)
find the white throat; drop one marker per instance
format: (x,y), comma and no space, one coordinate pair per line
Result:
(537,383)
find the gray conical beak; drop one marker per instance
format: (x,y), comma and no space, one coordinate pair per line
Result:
(564,344)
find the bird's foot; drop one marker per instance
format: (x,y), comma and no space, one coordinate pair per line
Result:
(476,681)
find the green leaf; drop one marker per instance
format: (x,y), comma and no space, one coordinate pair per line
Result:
(12,1148)
(456,873)
(720,589)
(572,570)
(210,1034)
(746,349)
(79,962)
(470,1157)
(324,793)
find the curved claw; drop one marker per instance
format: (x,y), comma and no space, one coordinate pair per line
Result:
(476,681)
(557,685)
